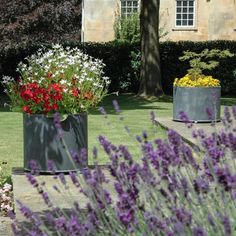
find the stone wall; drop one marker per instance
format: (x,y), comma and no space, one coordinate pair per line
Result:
(98,20)
(215,19)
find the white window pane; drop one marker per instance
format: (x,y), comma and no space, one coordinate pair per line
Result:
(178,9)
(190,22)
(129,3)
(190,16)
(185,9)
(185,3)
(185,16)
(179,3)
(178,22)
(178,16)
(190,3)
(184,22)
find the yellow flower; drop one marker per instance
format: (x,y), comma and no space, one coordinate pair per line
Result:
(201,81)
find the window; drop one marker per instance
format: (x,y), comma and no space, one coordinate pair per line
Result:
(185,14)
(129,7)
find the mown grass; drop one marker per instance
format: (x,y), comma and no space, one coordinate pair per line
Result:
(136,113)
(134,110)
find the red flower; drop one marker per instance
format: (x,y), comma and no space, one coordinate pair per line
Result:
(27,109)
(75,92)
(49,75)
(88,95)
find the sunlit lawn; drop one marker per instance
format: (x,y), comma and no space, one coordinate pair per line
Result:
(136,113)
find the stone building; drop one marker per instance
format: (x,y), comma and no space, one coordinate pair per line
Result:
(195,20)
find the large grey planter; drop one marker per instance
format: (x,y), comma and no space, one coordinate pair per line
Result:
(194,101)
(42,142)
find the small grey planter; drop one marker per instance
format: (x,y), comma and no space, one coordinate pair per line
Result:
(42,142)
(194,101)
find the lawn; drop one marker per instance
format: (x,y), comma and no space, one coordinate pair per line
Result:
(136,113)
(135,110)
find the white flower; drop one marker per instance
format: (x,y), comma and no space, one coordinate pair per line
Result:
(7,186)
(63,81)
(56,46)
(7,79)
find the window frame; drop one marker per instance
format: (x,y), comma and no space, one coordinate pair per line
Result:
(187,27)
(132,7)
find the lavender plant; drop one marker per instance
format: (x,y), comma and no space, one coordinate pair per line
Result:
(173,190)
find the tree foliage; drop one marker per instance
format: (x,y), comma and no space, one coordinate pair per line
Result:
(26,21)
(204,60)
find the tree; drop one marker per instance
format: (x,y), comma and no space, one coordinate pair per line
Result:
(150,74)
(39,21)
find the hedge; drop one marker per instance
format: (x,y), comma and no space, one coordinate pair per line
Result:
(117,58)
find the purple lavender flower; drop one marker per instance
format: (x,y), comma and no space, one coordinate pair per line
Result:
(227,225)
(125,152)
(95,152)
(174,137)
(198,231)
(57,123)
(46,199)
(183,215)
(103,111)
(184,117)
(227,115)
(223,176)
(116,106)
(74,179)
(35,168)
(28,213)
(33,181)
(138,138)
(51,166)
(210,113)
(201,185)
(62,178)
(153,117)
(234,111)
(211,220)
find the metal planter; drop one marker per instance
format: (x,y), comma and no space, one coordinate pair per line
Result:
(194,101)
(43,143)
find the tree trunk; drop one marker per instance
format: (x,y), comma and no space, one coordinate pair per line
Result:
(150,56)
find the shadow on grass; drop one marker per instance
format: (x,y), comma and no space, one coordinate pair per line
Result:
(132,102)
(4,100)
(228,101)
(126,102)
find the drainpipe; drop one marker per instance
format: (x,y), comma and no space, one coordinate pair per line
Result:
(82,23)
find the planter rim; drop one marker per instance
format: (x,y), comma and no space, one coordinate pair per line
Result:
(197,87)
(40,114)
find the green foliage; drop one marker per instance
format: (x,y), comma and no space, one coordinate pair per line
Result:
(136,63)
(127,29)
(4,178)
(122,66)
(28,21)
(202,61)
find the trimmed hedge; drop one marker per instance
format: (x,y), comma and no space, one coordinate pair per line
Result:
(116,56)
(172,67)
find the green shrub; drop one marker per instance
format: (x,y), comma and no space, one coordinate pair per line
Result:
(122,66)
(127,29)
